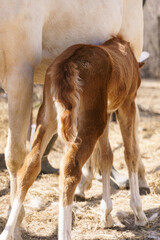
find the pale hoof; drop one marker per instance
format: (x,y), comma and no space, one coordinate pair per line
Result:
(107,221)
(141,220)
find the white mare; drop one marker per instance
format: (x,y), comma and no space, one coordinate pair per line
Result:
(36,31)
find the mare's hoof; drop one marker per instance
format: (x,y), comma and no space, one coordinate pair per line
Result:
(47,168)
(78,198)
(144,190)
(141,221)
(107,222)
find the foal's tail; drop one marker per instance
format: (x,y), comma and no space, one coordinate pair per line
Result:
(66,92)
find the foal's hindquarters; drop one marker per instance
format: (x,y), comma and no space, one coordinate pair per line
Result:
(100,82)
(82,87)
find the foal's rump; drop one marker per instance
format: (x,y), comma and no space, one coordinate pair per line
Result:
(79,84)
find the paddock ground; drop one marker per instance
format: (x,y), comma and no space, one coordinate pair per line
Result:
(41,203)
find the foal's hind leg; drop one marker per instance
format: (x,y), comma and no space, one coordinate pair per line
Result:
(105,163)
(70,175)
(128,124)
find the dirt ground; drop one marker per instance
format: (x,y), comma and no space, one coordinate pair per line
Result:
(41,203)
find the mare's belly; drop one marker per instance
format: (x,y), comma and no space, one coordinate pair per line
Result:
(77,22)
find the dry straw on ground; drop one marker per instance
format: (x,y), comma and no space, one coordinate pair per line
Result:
(41,204)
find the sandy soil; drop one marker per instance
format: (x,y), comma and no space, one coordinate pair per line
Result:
(41,204)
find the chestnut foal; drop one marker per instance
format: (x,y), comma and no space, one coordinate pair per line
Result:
(82,87)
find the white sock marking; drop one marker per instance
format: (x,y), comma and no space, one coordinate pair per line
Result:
(65,222)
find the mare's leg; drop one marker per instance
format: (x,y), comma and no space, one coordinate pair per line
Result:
(21,54)
(19,89)
(127,116)
(105,162)
(27,173)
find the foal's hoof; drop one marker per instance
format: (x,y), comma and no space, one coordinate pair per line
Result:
(144,190)
(79,198)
